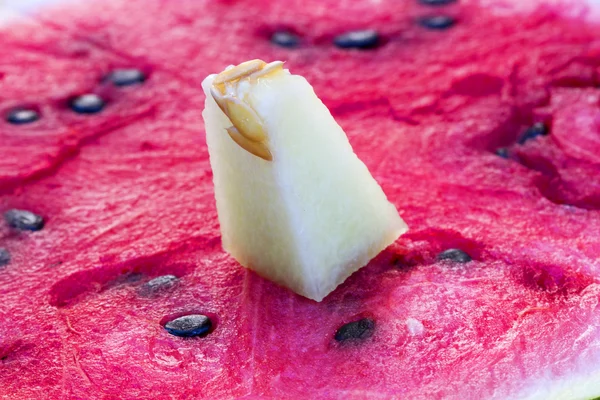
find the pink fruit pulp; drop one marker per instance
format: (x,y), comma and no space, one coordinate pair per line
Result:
(127,196)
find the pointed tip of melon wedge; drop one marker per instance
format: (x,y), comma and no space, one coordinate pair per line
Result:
(350,268)
(310,214)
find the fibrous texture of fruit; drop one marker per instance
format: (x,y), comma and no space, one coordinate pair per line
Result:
(446,115)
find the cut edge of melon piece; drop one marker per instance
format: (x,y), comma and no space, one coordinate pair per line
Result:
(310,214)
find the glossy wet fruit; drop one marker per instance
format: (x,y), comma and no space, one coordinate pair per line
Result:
(285,39)
(19,116)
(126,76)
(363,39)
(24,220)
(87,104)
(356,330)
(127,196)
(454,255)
(189,325)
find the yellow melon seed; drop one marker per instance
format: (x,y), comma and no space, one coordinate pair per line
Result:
(245,119)
(267,69)
(239,71)
(259,149)
(219,99)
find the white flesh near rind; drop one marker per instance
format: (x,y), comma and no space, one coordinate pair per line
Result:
(312,216)
(579,386)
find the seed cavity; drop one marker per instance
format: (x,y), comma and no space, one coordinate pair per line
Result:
(285,39)
(538,129)
(248,129)
(89,103)
(502,152)
(454,255)
(157,285)
(24,220)
(126,77)
(189,326)
(357,330)
(22,116)
(4,257)
(436,2)
(437,22)
(362,40)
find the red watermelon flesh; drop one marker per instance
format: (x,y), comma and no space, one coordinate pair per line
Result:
(127,197)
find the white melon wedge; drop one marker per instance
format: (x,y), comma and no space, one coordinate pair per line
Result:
(295,204)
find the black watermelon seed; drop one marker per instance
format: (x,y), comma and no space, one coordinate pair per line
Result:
(189,325)
(455,255)
(87,104)
(157,285)
(436,2)
(21,116)
(502,152)
(126,77)
(285,39)
(532,132)
(24,220)
(365,39)
(4,257)
(361,329)
(437,22)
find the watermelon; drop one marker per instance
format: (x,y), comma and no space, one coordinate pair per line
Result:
(479,118)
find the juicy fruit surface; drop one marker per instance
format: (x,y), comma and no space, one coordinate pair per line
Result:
(126,196)
(310,216)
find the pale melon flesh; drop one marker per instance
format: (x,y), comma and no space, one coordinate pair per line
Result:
(314,214)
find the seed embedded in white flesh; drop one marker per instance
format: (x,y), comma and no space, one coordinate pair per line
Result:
(308,215)
(245,120)
(267,69)
(239,71)
(256,148)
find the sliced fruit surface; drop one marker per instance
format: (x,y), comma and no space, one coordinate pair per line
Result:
(493,293)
